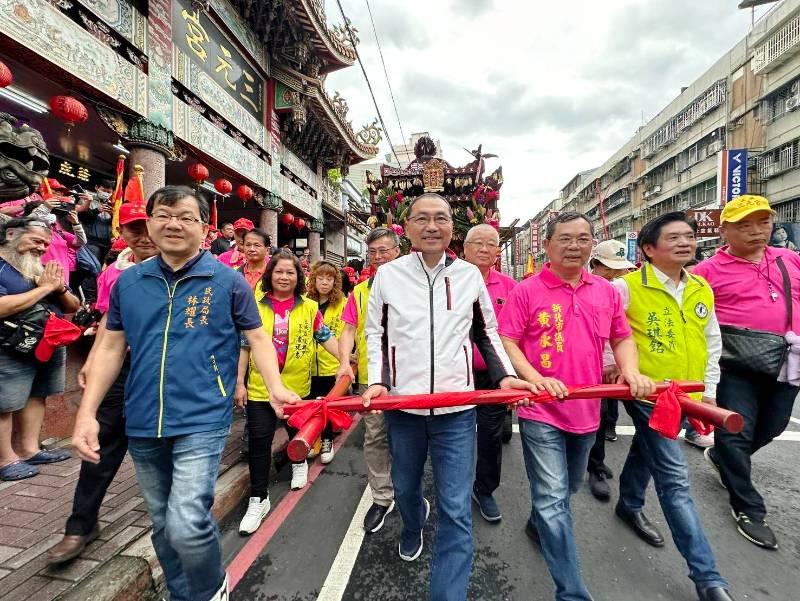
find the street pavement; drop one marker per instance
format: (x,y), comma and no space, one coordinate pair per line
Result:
(319,545)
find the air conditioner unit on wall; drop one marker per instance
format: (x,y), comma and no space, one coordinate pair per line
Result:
(792,103)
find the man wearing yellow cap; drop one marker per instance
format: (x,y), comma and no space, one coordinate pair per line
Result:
(756,289)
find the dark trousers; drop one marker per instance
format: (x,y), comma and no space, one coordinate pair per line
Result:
(766,406)
(95,478)
(609,413)
(490,440)
(320,386)
(261,424)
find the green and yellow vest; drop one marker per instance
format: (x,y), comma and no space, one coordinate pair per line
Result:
(296,372)
(326,364)
(671,339)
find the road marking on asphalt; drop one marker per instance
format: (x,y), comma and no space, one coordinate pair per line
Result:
(795,420)
(261,537)
(339,575)
(630,431)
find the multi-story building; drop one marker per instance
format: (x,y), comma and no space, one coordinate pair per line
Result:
(748,99)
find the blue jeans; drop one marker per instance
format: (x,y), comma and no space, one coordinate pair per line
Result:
(451,440)
(177,477)
(556,463)
(654,454)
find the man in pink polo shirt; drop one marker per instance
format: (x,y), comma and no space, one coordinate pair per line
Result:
(748,283)
(94,479)
(480,249)
(235,256)
(555,327)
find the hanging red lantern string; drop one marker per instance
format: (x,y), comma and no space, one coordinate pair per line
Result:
(300,224)
(69,109)
(198,172)
(6,78)
(287,219)
(223,186)
(245,193)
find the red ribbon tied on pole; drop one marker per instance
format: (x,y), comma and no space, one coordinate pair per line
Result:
(340,420)
(666,417)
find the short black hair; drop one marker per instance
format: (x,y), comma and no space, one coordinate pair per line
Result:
(106,183)
(261,234)
(266,279)
(428,195)
(225,223)
(651,230)
(169,196)
(565,217)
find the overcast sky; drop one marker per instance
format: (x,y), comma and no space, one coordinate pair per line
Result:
(553,88)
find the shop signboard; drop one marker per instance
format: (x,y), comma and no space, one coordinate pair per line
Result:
(632,250)
(197,36)
(534,227)
(707,221)
(732,174)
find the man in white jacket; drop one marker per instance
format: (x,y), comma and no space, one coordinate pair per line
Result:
(422,308)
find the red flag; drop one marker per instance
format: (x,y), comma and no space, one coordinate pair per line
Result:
(213,219)
(134,190)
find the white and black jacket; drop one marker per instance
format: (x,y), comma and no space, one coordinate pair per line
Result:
(421,324)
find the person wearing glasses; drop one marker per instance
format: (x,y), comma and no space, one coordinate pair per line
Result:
(555,327)
(383,246)
(182,314)
(424,311)
(480,248)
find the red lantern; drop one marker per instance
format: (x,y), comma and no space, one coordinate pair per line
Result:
(6,78)
(287,218)
(223,186)
(300,224)
(244,192)
(69,109)
(198,172)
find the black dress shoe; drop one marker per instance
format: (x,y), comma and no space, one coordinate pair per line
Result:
(599,486)
(643,528)
(715,593)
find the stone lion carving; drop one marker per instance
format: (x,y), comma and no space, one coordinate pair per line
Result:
(24,160)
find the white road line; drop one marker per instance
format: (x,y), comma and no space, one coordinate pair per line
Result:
(795,420)
(630,431)
(339,574)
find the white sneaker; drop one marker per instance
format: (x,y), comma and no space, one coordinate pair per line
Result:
(299,475)
(257,510)
(222,594)
(701,441)
(326,456)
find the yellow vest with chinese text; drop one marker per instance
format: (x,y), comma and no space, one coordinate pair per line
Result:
(325,363)
(296,372)
(361,292)
(671,339)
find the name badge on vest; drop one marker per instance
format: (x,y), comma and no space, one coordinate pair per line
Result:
(701,310)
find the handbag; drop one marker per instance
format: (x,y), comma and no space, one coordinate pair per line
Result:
(21,333)
(755,351)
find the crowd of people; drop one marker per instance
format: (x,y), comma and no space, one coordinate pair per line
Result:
(193,325)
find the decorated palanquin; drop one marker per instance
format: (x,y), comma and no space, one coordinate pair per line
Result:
(472,196)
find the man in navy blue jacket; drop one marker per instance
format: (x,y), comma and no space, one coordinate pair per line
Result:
(180,314)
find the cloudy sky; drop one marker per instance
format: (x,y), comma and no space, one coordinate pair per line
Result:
(553,88)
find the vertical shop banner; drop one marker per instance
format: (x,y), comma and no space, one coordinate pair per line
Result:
(732,174)
(632,251)
(159,70)
(534,246)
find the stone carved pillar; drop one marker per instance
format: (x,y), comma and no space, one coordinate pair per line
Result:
(315,229)
(150,145)
(154,164)
(271,206)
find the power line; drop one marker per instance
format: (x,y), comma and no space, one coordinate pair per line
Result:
(369,85)
(385,72)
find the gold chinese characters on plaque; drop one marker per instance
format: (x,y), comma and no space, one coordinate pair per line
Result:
(433,176)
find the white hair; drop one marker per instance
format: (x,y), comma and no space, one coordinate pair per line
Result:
(480,229)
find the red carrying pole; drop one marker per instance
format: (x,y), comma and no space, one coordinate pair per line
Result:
(315,423)
(307,434)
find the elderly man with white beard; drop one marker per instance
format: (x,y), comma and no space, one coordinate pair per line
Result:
(24,381)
